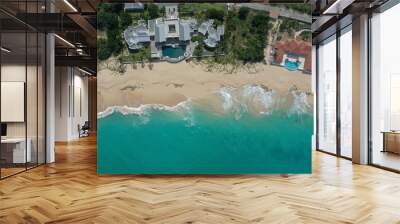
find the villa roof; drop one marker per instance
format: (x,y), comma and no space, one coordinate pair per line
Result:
(214,35)
(167,29)
(135,36)
(205,26)
(212,39)
(184,31)
(294,47)
(192,22)
(160,35)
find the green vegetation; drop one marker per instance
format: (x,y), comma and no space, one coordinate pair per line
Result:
(291,26)
(244,41)
(109,21)
(200,11)
(126,20)
(142,54)
(198,38)
(117,8)
(198,51)
(216,14)
(113,21)
(259,25)
(153,11)
(243,12)
(115,41)
(245,38)
(245,32)
(306,36)
(103,52)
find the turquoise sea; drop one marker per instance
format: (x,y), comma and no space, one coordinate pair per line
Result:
(196,140)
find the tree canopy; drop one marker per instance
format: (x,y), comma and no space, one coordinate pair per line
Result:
(126,19)
(154,11)
(198,50)
(114,41)
(243,12)
(107,20)
(216,14)
(103,52)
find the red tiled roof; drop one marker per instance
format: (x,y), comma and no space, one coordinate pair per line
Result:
(293,46)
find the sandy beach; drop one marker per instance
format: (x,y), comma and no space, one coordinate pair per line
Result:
(170,84)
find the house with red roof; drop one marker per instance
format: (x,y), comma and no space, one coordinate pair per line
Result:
(294,54)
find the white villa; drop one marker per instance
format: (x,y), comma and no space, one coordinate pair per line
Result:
(171,31)
(136,36)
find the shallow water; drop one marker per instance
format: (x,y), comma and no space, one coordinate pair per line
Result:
(190,138)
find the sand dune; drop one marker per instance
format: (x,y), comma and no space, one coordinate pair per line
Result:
(170,84)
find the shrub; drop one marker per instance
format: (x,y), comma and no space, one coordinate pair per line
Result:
(216,14)
(103,52)
(125,19)
(153,10)
(243,12)
(198,51)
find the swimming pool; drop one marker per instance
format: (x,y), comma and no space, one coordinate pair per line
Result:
(291,66)
(173,52)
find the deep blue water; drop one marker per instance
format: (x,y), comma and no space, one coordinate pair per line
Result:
(204,142)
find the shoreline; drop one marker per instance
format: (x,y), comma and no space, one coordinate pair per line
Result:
(169,84)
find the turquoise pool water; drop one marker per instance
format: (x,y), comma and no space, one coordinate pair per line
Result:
(173,52)
(291,66)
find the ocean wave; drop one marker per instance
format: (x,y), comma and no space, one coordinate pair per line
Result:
(144,109)
(259,95)
(226,94)
(247,98)
(254,99)
(300,103)
(230,101)
(262,100)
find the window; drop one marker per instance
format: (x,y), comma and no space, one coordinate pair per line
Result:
(327,95)
(22,77)
(171,29)
(346,92)
(385,89)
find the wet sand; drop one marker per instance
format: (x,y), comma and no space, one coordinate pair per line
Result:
(170,84)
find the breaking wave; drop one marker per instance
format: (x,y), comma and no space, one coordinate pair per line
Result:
(254,99)
(145,109)
(300,103)
(249,98)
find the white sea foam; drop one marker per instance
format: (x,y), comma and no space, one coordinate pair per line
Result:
(228,98)
(230,101)
(248,97)
(255,94)
(144,109)
(300,103)
(237,101)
